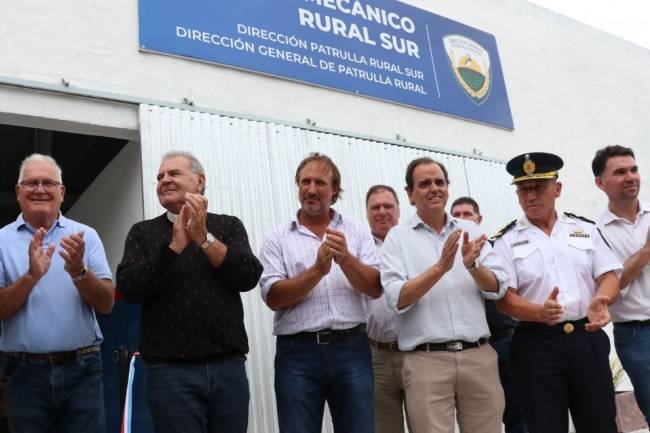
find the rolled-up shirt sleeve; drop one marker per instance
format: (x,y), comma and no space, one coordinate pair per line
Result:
(393,270)
(273,263)
(491,260)
(605,259)
(505,257)
(367,252)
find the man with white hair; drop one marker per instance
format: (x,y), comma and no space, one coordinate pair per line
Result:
(53,277)
(187,268)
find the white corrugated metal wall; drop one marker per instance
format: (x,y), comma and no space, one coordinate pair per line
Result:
(250,169)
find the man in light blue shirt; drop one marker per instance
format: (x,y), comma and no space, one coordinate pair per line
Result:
(435,271)
(53,277)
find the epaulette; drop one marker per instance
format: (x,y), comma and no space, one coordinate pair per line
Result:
(503,231)
(581,218)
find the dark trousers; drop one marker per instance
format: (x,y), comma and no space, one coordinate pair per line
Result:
(557,371)
(209,397)
(307,374)
(513,416)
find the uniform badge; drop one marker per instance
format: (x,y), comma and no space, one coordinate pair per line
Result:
(519,243)
(578,233)
(529,166)
(470,63)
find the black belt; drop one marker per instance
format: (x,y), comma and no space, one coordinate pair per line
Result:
(634,323)
(327,336)
(499,335)
(53,357)
(390,347)
(450,346)
(193,361)
(566,327)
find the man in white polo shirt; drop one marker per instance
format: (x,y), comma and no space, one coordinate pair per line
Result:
(626,226)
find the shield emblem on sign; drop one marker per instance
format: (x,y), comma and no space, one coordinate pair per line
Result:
(470,64)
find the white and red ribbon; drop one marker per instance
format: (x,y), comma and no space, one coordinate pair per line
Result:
(128,403)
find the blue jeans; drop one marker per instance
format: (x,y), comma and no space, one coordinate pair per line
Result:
(46,398)
(307,374)
(198,398)
(633,347)
(513,417)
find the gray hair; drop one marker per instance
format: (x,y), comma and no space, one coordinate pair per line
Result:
(37,157)
(195,164)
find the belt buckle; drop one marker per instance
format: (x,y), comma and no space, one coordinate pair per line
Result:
(318,334)
(393,346)
(568,328)
(454,346)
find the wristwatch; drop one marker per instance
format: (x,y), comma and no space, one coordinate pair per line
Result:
(474,266)
(209,240)
(81,275)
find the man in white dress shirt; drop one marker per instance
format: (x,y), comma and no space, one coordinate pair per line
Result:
(435,271)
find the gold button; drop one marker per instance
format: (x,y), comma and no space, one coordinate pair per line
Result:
(568,328)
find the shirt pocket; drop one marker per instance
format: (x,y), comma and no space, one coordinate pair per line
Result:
(528,262)
(581,252)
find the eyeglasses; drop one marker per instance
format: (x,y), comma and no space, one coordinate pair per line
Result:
(537,188)
(32,184)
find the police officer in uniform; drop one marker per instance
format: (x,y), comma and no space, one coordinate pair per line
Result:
(561,281)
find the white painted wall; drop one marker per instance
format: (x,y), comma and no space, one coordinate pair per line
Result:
(113,202)
(572,88)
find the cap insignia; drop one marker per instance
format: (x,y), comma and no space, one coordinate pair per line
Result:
(529,166)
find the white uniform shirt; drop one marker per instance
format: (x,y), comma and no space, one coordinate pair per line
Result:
(626,239)
(382,321)
(571,258)
(453,309)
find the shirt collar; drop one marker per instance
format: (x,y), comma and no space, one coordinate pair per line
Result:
(523,223)
(61,221)
(171,217)
(608,216)
(416,222)
(335,219)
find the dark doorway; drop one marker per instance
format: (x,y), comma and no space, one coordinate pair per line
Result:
(81,157)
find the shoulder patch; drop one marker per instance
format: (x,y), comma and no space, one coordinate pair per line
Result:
(503,231)
(581,218)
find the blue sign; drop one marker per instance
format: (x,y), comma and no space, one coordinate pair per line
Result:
(383,49)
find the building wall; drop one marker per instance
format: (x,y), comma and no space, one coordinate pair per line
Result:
(113,202)
(572,88)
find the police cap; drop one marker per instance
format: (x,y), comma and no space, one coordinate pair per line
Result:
(534,165)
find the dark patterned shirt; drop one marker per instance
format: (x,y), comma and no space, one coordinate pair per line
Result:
(191,311)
